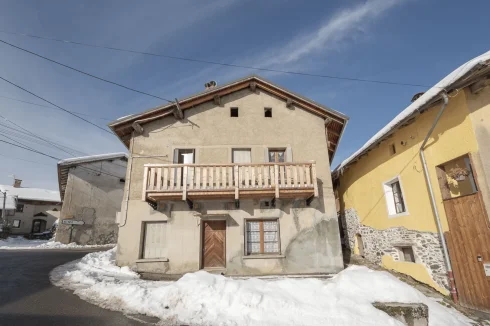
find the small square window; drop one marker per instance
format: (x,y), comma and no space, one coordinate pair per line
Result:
(406,254)
(268,112)
(16,224)
(234,112)
(20,208)
(392,149)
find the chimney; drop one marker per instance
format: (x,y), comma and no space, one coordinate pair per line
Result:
(211,84)
(17,183)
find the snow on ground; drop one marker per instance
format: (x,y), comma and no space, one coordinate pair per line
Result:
(206,299)
(23,243)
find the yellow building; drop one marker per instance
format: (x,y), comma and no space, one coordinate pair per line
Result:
(385,202)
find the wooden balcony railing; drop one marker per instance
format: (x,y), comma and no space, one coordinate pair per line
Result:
(217,181)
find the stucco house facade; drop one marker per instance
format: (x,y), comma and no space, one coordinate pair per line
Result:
(30,210)
(428,220)
(235,179)
(91,188)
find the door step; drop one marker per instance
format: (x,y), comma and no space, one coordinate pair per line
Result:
(217,271)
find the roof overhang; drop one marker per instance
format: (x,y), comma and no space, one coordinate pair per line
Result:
(335,125)
(468,74)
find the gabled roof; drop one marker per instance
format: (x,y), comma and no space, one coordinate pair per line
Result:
(36,194)
(123,127)
(463,76)
(65,165)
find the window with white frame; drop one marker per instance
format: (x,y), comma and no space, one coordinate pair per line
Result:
(395,201)
(262,237)
(154,240)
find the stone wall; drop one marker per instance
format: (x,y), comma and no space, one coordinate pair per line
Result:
(378,243)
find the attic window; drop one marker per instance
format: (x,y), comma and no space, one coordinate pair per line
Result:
(268,112)
(234,112)
(392,149)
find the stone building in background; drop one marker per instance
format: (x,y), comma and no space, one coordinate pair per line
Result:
(91,189)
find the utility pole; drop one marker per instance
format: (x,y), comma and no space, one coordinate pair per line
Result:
(4,222)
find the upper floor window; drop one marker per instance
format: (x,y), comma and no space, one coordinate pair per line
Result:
(277,155)
(234,112)
(20,208)
(395,200)
(392,149)
(268,112)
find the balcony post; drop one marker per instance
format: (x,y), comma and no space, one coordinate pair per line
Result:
(184,180)
(313,176)
(276,179)
(145,184)
(235,170)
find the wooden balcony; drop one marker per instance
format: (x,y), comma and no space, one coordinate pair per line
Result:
(229,181)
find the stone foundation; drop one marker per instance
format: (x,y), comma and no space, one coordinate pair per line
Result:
(378,243)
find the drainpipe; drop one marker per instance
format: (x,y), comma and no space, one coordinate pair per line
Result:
(454,294)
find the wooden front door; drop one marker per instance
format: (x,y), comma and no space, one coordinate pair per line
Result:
(213,247)
(468,239)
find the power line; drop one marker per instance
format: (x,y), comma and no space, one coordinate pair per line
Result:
(232,65)
(25,136)
(59,107)
(85,73)
(50,107)
(21,159)
(58,159)
(29,149)
(38,137)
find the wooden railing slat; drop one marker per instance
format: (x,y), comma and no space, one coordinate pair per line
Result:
(159,178)
(172,179)
(308,175)
(197,174)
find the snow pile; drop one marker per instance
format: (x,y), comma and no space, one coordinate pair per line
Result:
(205,299)
(23,243)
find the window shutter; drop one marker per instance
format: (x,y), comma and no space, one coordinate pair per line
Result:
(266,155)
(289,154)
(176,156)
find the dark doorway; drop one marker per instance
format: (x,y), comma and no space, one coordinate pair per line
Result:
(38,226)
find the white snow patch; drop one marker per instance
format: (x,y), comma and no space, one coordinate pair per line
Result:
(32,193)
(91,158)
(205,299)
(428,96)
(12,243)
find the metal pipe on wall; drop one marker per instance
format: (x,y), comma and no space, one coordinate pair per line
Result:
(445,252)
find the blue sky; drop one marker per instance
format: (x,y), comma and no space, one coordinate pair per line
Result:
(407,41)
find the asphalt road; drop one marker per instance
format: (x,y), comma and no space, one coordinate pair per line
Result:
(27,297)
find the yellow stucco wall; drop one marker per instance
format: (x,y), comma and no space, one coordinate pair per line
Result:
(361,184)
(417,271)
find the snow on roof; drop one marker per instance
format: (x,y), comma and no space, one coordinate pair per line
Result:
(92,158)
(32,193)
(9,202)
(423,100)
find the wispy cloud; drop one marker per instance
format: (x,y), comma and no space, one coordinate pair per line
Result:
(336,32)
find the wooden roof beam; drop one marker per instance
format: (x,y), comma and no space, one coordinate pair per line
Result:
(178,113)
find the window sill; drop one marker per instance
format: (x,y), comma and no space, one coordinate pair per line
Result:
(152,260)
(398,215)
(264,256)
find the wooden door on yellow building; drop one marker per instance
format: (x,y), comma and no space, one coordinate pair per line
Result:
(468,238)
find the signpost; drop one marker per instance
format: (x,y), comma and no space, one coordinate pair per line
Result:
(72,224)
